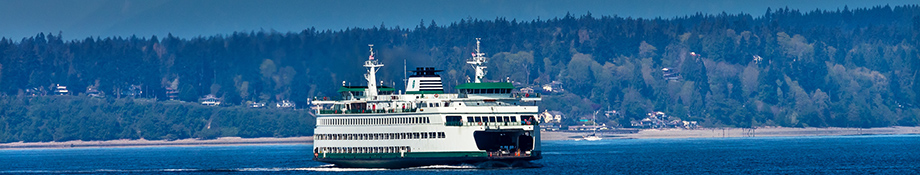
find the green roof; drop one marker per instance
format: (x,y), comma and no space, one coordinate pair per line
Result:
(499,85)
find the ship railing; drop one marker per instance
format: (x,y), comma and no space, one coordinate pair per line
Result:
(457,123)
(518,123)
(525,95)
(368,111)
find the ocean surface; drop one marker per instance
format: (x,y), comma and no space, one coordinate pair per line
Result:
(894,154)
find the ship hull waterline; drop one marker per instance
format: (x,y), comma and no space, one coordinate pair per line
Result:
(409,159)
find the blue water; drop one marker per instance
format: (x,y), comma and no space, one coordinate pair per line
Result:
(899,154)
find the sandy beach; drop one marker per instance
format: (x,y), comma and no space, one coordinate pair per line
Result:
(545,135)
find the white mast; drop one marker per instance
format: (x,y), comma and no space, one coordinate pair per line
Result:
(405,71)
(371,76)
(477,62)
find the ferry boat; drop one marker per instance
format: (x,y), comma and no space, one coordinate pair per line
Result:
(485,124)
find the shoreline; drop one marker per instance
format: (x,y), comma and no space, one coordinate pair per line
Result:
(222,141)
(545,135)
(733,132)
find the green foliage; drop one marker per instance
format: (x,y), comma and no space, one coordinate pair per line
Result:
(63,118)
(854,68)
(514,66)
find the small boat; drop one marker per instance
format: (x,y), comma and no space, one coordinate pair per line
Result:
(593,136)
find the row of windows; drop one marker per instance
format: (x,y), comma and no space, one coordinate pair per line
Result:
(487,119)
(375,121)
(486,91)
(437,104)
(380,136)
(386,149)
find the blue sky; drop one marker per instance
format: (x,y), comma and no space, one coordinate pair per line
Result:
(78,19)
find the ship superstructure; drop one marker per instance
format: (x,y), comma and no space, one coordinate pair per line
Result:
(484,123)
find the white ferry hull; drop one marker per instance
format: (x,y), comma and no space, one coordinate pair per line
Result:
(376,146)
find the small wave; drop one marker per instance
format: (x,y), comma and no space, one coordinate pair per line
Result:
(265,169)
(29,172)
(179,170)
(582,152)
(446,167)
(332,168)
(322,168)
(336,169)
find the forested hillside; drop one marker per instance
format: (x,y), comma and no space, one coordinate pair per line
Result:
(845,68)
(63,118)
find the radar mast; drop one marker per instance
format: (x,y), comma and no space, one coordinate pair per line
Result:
(477,62)
(372,67)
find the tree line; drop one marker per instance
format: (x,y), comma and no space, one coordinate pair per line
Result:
(843,68)
(65,118)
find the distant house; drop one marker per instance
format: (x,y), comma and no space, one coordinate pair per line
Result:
(553,87)
(550,117)
(94,92)
(210,100)
(611,113)
(661,120)
(256,104)
(36,91)
(527,90)
(285,104)
(669,74)
(61,90)
(133,91)
(172,93)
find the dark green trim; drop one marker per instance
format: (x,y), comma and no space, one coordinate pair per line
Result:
(406,155)
(498,85)
(422,159)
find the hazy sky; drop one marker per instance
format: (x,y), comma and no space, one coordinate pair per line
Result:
(78,19)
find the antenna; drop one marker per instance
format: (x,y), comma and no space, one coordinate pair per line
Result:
(371,76)
(405,69)
(477,62)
